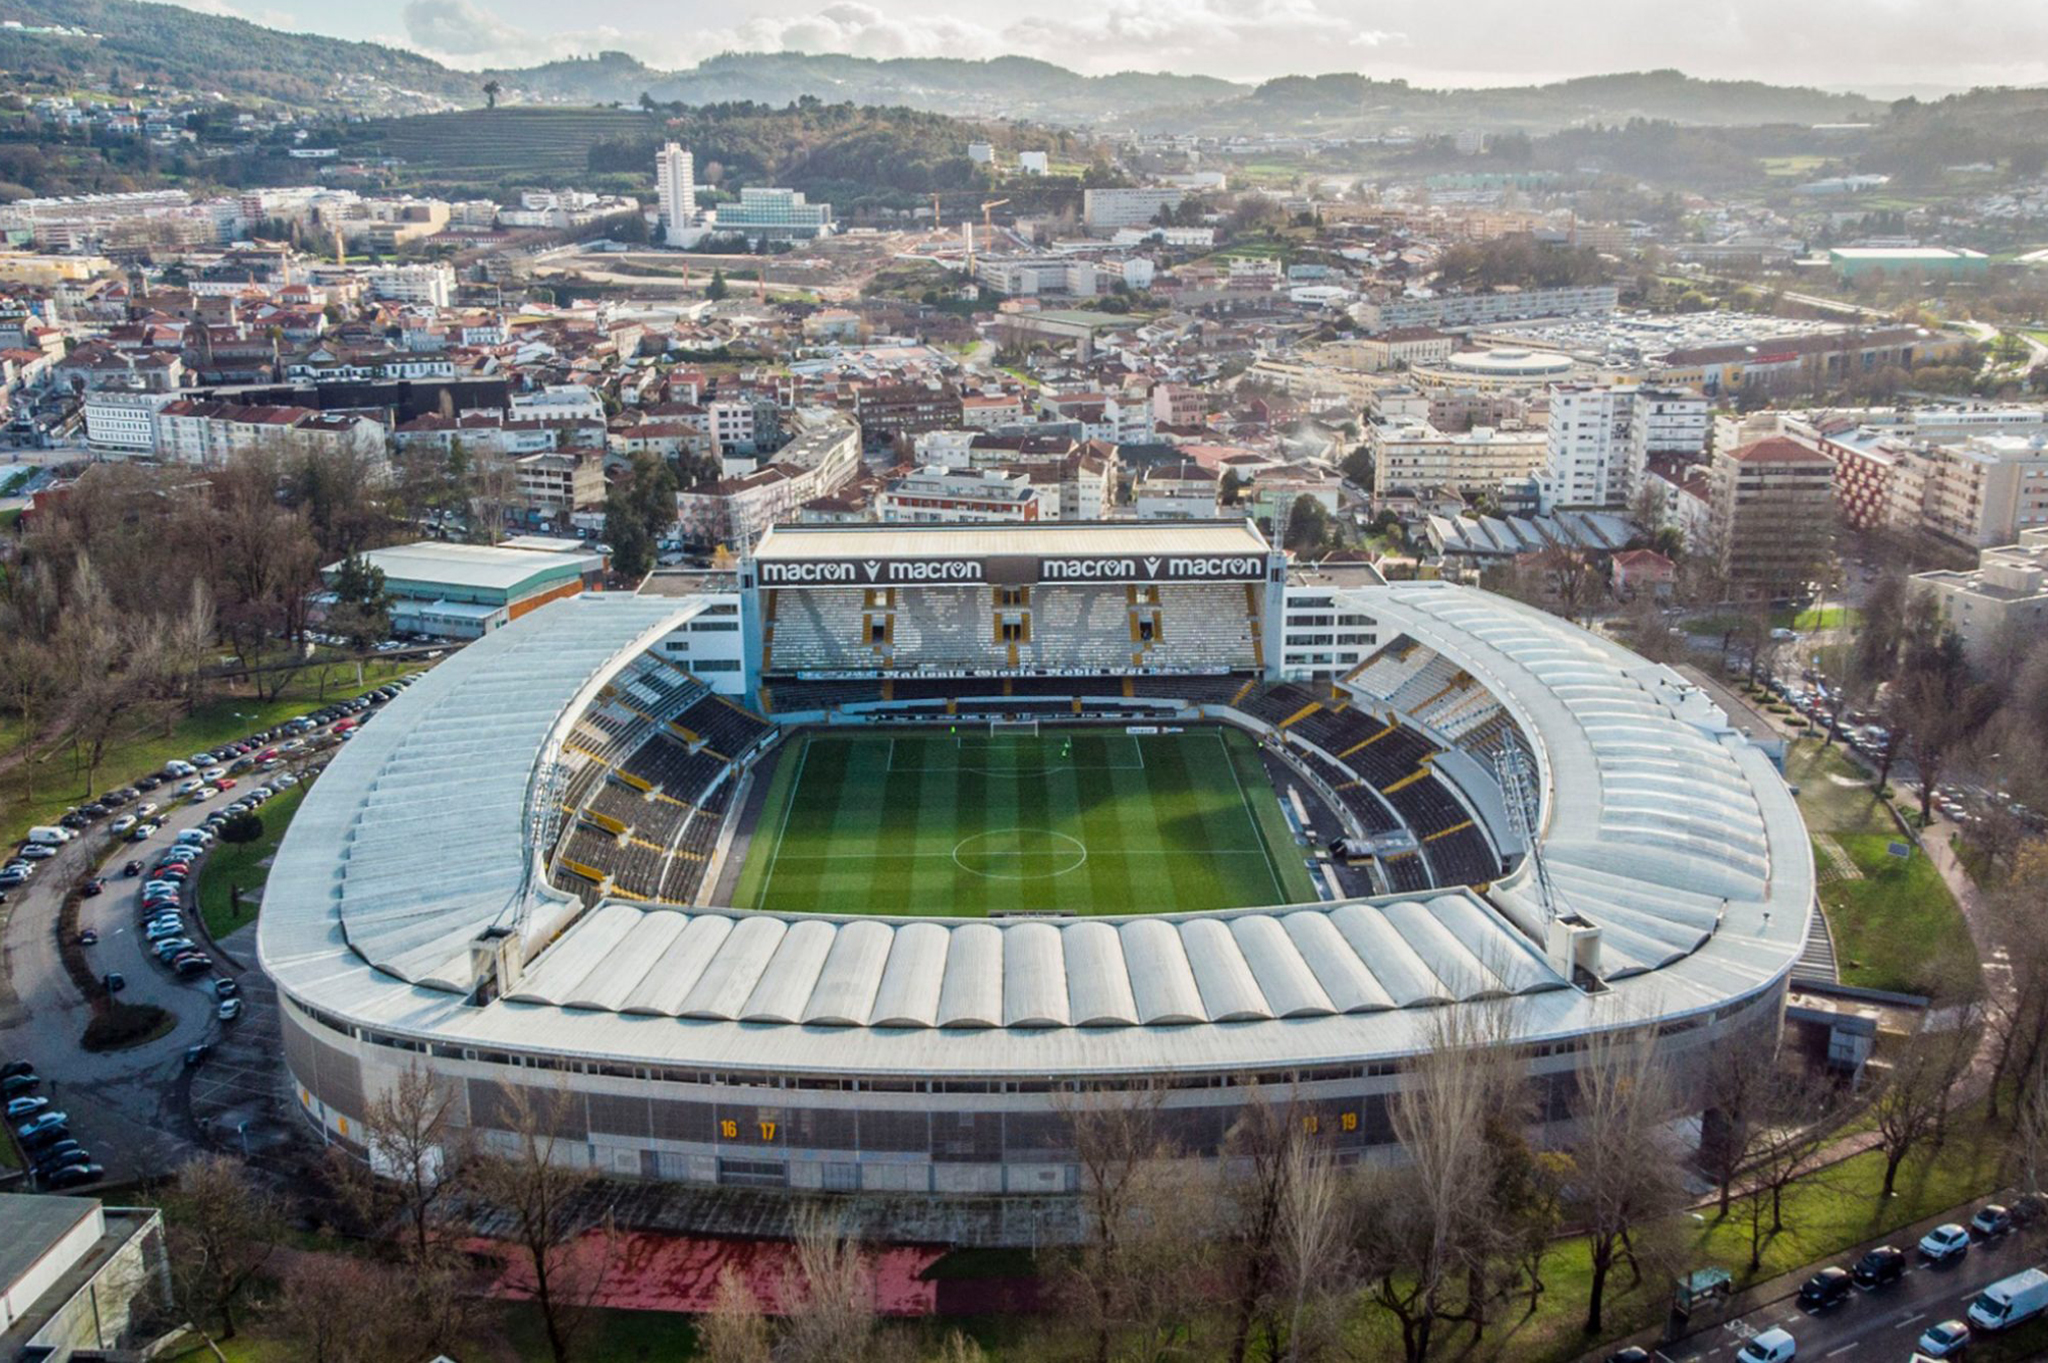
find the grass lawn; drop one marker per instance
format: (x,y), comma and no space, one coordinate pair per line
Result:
(1830,1212)
(1895,924)
(1792,165)
(58,786)
(246,865)
(1082,820)
(1817,617)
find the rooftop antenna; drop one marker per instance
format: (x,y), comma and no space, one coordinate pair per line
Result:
(1518,792)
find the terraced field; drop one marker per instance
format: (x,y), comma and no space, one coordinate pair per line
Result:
(491,144)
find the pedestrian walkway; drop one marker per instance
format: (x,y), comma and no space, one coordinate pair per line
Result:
(1817,962)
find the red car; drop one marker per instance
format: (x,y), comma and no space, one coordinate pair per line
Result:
(225,783)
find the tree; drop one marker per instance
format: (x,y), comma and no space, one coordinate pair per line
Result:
(639,509)
(361,612)
(733,1330)
(224,1228)
(348,1309)
(2017,1015)
(418,1154)
(1937,706)
(1313,1229)
(492,89)
(828,1295)
(531,1180)
(1622,1164)
(1308,526)
(245,827)
(1911,1106)
(717,289)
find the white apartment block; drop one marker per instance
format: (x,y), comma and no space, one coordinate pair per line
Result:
(675,191)
(2003,600)
(940,495)
(1482,309)
(1587,460)
(120,421)
(1413,457)
(1664,421)
(1107,210)
(428,285)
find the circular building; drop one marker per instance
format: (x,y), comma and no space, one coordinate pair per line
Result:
(762,939)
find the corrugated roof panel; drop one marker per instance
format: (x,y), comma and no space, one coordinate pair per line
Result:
(1407,979)
(909,992)
(1034,977)
(1459,966)
(1162,983)
(615,978)
(1230,992)
(845,993)
(1098,979)
(784,989)
(673,974)
(973,992)
(1290,987)
(734,968)
(1349,984)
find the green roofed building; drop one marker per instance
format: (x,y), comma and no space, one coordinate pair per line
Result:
(1924,262)
(464,591)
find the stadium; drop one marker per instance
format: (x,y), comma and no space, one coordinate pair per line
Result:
(847,870)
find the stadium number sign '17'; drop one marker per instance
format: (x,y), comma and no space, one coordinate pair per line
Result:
(1114,568)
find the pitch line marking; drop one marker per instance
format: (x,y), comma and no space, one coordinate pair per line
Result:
(1244,801)
(1020,853)
(795,785)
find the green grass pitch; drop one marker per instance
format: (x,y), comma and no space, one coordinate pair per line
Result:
(967,822)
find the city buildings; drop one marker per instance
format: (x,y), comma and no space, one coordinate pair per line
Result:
(464,591)
(1109,210)
(1772,516)
(1481,309)
(675,193)
(2002,604)
(1413,456)
(81,1279)
(768,214)
(937,494)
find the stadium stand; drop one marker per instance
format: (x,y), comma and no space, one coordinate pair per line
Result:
(722,726)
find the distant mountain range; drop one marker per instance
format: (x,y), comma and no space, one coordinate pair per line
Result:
(139,41)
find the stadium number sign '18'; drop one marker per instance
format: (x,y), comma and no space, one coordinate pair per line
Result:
(912,571)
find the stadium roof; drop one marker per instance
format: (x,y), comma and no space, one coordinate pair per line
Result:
(794,542)
(1660,823)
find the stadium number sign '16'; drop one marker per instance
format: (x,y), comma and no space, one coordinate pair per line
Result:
(913,571)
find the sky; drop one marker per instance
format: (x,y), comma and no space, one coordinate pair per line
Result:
(1884,46)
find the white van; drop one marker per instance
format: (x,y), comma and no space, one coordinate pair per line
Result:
(2011,1300)
(49,836)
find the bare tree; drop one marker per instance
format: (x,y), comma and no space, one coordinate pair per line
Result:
(1312,1235)
(1623,1162)
(1795,1120)
(733,1330)
(1912,1103)
(828,1295)
(2017,1015)
(224,1229)
(417,1150)
(1253,1205)
(2027,1157)
(344,1309)
(532,1178)
(1135,1273)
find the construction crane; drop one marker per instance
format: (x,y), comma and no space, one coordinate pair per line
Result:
(761,285)
(988,231)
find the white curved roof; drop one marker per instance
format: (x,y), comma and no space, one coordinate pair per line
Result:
(1660,823)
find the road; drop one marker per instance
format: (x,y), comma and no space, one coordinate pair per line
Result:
(1883,1324)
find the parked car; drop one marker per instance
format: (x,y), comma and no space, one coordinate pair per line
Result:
(122,824)
(43,1122)
(28,1105)
(17,1067)
(229,1010)
(225,988)
(45,1137)
(88,938)
(1829,1287)
(1771,1346)
(132,869)
(1945,1244)
(94,888)
(1945,1340)
(115,981)
(14,1085)
(192,963)
(36,851)
(196,1055)
(1992,1220)
(74,1175)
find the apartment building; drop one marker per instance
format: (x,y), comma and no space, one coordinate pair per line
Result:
(557,483)
(123,422)
(1771,516)
(887,411)
(1972,493)
(1411,457)
(429,285)
(1177,492)
(211,433)
(822,456)
(2003,599)
(1482,309)
(1664,421)
(937,494)
(770,214)
(1586,462)
(1107,210)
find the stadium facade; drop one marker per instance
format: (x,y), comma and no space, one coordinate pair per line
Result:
(511,878)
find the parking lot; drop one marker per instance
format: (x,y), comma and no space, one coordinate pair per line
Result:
(213,1077)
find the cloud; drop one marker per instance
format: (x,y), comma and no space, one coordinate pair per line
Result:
(864,31)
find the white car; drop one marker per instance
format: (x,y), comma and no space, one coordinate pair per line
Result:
(122,824)
(1945,1340)
(229,1009)
(1945,1244)
(1772,1346)
(213,773)
(187,786)
(287,779)
(203,794)
(145,809)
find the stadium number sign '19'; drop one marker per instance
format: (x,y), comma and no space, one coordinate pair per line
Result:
(914,571)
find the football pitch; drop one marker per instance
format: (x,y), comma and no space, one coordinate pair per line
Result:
(968,822)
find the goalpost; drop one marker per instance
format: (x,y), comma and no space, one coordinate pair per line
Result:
(998,724)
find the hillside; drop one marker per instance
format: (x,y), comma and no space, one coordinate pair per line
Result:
(1346,102)
(168,44)
(482,147)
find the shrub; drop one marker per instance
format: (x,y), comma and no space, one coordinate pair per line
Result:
(242,828)
(125,1024)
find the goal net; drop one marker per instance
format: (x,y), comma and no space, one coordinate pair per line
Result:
(997,724)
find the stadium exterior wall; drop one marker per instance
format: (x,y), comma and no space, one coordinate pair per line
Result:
(845,1132)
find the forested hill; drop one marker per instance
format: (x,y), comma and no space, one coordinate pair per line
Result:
(125,42)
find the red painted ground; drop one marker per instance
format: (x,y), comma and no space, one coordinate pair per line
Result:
(645,1272)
